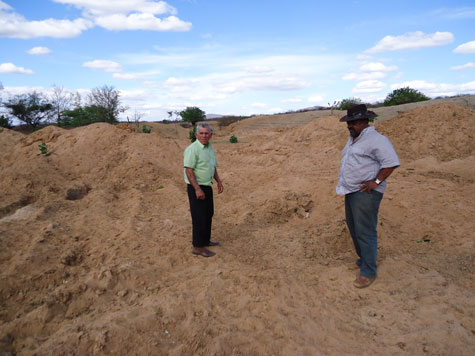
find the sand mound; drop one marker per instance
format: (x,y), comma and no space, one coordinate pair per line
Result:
(95,242)
(444,131)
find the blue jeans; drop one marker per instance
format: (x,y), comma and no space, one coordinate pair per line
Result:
(361,211)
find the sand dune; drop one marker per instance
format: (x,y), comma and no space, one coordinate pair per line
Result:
(95,243)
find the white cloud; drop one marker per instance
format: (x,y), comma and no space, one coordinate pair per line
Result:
(112,15)
(468,47)
(457,13)
(178,85)
(142,21)
(16,26)
(292,100)
(11,68)
(258,69)
(364,76)
(412,40)
(377,67)
(274,110)
(272,82)
(369,86)
(133,95)
(130,14)
(39,50)
(317,99)
(125,76)
(107,65)
(371,71)
(259,105)
(438,89)
(465,66)
(4,6)
(234,82)
(99,8)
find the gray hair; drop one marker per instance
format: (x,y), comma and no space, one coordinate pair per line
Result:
(204,125)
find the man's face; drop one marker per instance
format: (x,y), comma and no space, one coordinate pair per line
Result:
(356,126)
(203,135)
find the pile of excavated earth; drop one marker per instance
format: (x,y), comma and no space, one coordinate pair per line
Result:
(95,242)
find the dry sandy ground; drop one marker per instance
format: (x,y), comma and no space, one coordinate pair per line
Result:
(95,243)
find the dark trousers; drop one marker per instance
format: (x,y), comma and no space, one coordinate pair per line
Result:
(361,210)
(201,215)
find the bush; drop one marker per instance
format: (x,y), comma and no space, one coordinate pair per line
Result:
(5,122)
(233,139)
(404,96)
(346,103)
(192,135)
(146,129)
(82,116)
(44,149)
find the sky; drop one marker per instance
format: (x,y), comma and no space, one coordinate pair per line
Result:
(232,57)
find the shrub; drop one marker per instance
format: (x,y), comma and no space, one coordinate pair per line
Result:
(192,135)
(146,129)
(404,96)
(44,149)
(81,116)
(5,122)
(233,139)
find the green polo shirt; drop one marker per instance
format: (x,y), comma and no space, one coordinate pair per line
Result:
(203,161)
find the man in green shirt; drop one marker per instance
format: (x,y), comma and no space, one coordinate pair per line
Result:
(200,169)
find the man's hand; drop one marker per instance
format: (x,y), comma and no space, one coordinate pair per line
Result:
(220,187)
(368,186)
(200,194)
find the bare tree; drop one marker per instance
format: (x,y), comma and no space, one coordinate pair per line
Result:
(106,100)
(77,99)
(61,100)
(136,118)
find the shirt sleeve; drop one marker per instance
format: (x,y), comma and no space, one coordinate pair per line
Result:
(189,157)
(386,154)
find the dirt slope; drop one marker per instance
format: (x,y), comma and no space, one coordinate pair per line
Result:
(95,244)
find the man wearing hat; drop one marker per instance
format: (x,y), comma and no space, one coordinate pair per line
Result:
(367,161)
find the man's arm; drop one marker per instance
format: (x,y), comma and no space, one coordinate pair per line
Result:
(383,174)
(218,180)
(190,174)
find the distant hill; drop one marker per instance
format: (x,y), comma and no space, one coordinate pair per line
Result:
(213,116)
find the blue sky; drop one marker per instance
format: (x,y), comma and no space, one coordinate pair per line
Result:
(237,57)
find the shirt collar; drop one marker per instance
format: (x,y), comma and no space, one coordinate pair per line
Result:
(362,133)
(201,145)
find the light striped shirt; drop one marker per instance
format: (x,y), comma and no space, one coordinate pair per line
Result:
(363,158)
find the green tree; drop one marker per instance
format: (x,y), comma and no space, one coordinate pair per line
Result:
(404,96)
(193,114)
(106,100)
(344,104)
(5,122)
(31,108)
